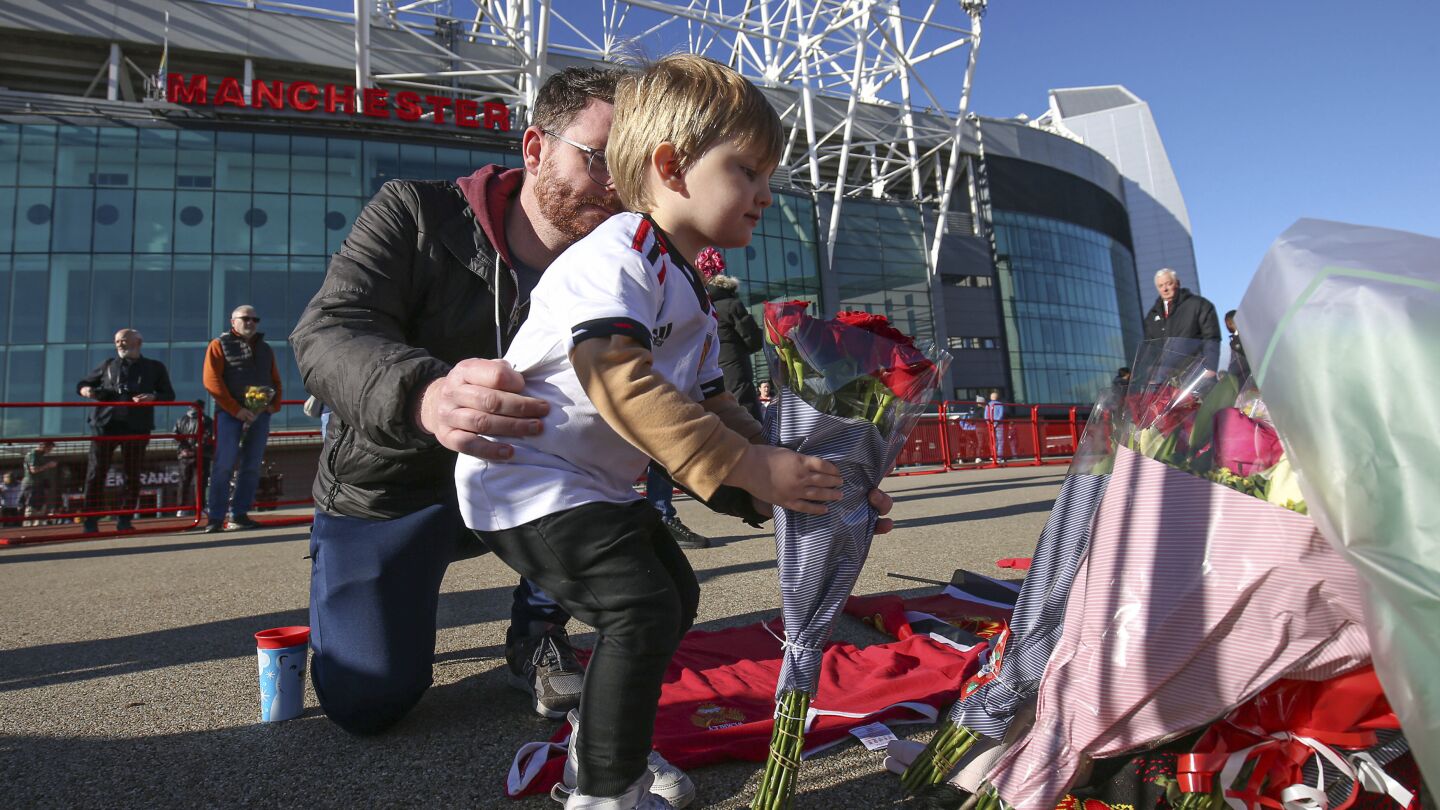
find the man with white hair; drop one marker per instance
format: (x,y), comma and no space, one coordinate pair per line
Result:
(127,377)
(1179,313)
(236,361)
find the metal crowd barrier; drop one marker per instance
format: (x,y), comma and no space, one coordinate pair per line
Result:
(168,498)
(958,436)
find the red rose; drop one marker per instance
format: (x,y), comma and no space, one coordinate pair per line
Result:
(783,316)
(874,324)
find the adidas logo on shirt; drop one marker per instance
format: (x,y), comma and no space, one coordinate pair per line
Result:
(660,334)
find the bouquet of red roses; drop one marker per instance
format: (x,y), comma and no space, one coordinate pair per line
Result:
(850,390)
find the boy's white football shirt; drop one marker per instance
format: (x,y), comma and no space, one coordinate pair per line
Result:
(622,279)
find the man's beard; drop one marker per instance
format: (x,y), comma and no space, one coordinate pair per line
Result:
(565,209)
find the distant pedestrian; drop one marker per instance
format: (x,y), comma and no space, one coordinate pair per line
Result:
(1239,363)
(995,415)
(195,450)
(766,393)
(239,365)
(1179,313)
(39,479)
(127,377)
(1122,377)
(10,491)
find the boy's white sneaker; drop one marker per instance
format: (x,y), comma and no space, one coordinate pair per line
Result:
(635,797)
(666,781)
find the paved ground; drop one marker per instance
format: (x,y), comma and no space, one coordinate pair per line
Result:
(127,668)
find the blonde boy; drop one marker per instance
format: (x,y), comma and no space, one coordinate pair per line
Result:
(622,342)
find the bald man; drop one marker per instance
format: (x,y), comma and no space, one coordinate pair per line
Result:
(236,360)
(127,377)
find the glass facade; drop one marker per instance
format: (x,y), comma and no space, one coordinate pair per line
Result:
(880,264)
(167,230)
(1066,304)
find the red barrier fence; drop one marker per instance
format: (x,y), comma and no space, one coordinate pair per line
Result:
(171,492)
(169,472)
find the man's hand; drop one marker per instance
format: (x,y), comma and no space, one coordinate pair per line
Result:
(87,392)
(245,415)
(143,398)
(877,498)
(480,397)
(786,478)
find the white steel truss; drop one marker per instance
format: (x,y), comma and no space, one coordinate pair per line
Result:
(849,77)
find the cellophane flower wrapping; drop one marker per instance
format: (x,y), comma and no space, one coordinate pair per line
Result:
(850,390)
(1200,587)
(1342,325)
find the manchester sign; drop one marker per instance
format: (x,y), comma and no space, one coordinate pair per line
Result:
(309,97)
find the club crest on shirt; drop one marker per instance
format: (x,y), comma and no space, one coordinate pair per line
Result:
(710,716)
(660,334)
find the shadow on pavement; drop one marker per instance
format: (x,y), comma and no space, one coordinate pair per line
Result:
(191,543)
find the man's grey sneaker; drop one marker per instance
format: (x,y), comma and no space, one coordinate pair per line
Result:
(545,667)
(684,537)
(667,781)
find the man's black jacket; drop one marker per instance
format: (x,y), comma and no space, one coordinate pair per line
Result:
(1191,316)
(117,380)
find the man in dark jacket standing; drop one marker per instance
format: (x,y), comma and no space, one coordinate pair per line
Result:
(1179,313)
(127,377)
(236,362)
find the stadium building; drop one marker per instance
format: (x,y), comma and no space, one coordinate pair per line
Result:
(162,161)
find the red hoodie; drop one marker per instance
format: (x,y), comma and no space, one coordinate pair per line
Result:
(489,191)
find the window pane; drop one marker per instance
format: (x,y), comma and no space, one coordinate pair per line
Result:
(272,162)
(342,170)
(110,297)
(37,155)
(9,154)
(151,313)
(339,216)
(69,299)
(194,221)
(232,232)
(7,217)
(75,158)
(114,220)
(452,163)
(74,213)
(234,160)
(157,158)
(232,281)
(186,364)
(417,162)
(307,165)
(191,285)
(33,216)
(195,159)
(269,221)
(307,225)
(305,278)
(116,158)
(24,382)
(268,285)
(382,162)
(28,295)
(154,215)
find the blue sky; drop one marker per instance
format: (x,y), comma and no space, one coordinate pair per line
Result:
(1271,110)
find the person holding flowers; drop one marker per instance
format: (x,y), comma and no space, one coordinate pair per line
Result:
(622,343)
(241,375)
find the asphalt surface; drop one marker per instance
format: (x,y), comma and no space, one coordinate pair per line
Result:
(128,679)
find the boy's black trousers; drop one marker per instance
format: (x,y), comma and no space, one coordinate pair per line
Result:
(616,568)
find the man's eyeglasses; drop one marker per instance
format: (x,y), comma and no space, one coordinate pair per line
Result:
(595,166)
(247,318)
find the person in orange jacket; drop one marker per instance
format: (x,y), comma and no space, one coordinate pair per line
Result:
(237,362)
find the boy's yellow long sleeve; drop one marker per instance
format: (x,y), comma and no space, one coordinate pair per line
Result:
(698,443)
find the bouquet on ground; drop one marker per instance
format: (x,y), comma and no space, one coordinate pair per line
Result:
(850,391)
(971,737)
(1195,593)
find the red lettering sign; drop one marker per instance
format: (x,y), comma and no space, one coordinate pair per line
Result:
(304,96)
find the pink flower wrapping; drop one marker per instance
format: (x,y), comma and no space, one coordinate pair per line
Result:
(1194,597)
